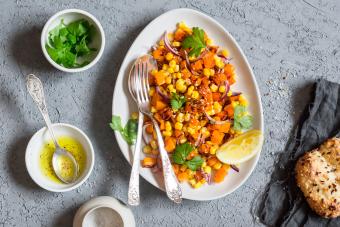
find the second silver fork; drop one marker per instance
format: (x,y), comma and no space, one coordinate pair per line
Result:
(141,88)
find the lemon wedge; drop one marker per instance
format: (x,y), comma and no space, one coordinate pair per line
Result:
(241,148)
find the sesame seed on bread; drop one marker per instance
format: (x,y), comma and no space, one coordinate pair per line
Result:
(318,177)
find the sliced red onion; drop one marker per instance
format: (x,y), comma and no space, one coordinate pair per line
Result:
(201,55)
(153,47)
(164,96)
(235,93)
(227,89)
(235,168)
(146,136)
(215,122)
(225,59)
(200,139)
(206,176)
(168,45)
(188,63)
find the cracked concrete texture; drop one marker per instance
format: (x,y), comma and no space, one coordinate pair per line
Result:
(288,43)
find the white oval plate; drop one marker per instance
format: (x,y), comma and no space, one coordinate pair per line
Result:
(123,104)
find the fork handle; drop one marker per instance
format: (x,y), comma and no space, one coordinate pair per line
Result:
(133,193)
(172,186)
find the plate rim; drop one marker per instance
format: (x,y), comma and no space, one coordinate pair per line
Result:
(253,79)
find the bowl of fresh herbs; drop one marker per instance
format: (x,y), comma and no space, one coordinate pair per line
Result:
(72,40)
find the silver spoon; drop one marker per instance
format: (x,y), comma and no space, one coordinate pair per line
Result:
(35,88)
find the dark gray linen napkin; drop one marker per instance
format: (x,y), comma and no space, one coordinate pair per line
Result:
(282,203)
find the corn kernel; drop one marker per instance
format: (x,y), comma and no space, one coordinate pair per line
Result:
(172,64)
(210,112)
(209,42)
(195,95)
(203,180)
(190,172)
(204,164)
(170,70)
(153,109)
(197,185)
(212,72)
(213,87)
(170,36)
(152,91)
(178,75)
(167,133)
(154,71)
(183,140)
(176,69)
(183,168)
(169,56)
(168,126)
(207,169)
(234,103)
(176,44)
(217,107)
(225,53)
(153,144)
(187,117)
(134,115)
(161,42)
(180,85)
(165,67)
(192,182)
(213,149)
(220,64)
(171,88)
(178,125)
(190,90)
(147,149)
(168,80)
(180,117)
(191,131)
(243,101)
(230,93)
(221,89)
(217,166)
(206,72)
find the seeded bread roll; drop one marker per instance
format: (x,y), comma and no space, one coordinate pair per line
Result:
(318,176)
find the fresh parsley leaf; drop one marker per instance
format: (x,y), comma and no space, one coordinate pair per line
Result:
(180,156)
(67,42)
(195,42)
(116,123)
(194,163)
(129,132)
(177,101)
(242,120)
(181,153)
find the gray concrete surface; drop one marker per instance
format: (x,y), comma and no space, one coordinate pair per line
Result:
(289,44)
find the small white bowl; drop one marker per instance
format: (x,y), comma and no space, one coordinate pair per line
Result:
(103,210)
(35,146)
(70,15)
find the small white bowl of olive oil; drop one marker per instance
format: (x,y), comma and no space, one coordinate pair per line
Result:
(39,153)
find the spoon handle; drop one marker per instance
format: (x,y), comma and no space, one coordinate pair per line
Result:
(35,88)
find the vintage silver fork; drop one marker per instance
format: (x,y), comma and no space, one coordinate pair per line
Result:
(142,88)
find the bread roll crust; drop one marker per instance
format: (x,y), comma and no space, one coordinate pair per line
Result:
(318,177)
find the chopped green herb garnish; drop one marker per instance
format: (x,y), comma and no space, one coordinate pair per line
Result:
(181,153)
(68,42)
(177,101)
(242,120)
(129,132)
(195,42)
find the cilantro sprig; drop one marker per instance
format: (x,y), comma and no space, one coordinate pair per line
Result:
(180,156)
(195,42)
(129,132)
(68,42)
(242,120)
(177,101)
